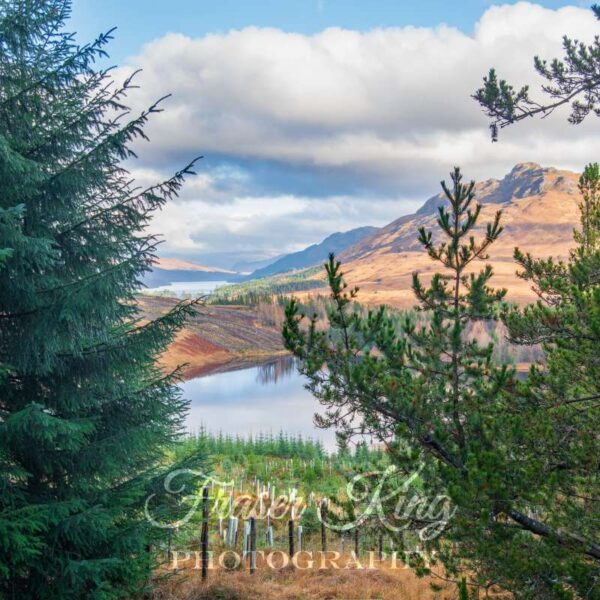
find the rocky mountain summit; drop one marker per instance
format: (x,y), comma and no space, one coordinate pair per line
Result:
(539,212)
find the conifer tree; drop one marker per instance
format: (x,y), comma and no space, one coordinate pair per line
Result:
(84,411)
(473,433)
(562,394)
(573,80)
(565,389)
(588,237)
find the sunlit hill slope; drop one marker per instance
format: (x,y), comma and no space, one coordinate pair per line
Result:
(540,210)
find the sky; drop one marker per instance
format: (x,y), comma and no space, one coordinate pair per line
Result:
(325,115)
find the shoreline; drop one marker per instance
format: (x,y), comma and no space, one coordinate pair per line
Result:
(235,363)
(219,338)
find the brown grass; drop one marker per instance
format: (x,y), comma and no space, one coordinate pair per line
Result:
(383,583)
(218,338)
(382,265)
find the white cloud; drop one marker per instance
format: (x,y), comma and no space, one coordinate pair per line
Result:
(388,108)
(263,226)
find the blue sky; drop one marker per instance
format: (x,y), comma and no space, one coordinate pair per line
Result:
(140,21)
(321,116)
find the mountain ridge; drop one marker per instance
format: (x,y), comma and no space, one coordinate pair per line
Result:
(174,270)
(315,253)
(540,210)
(177,264)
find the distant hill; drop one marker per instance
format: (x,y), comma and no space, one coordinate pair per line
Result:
(539,213)
(172,270)
(249,266)
(315,254)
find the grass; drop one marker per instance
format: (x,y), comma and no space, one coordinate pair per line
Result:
(289,583)
(289,462)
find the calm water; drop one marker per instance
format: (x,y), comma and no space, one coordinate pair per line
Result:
(181,288)
(264,399)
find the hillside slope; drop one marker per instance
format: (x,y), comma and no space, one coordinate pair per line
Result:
(218,338)
(539,213)
(315,254)
(171,270)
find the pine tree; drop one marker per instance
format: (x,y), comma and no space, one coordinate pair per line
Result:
(466,425)
(565,391)
(588,237)
(562,445)
(425,391)
(84,411)
(574,80)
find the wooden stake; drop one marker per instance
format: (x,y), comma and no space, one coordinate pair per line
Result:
(323,530)
(252,545)
(169,544)
(291,537)
(204,538)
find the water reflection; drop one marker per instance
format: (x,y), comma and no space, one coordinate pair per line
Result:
(272,372)
(266,399)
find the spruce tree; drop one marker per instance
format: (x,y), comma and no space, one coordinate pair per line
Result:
(84,411)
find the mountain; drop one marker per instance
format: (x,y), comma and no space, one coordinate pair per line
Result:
(249,266)
(315,254)
(173,270)
(539,213)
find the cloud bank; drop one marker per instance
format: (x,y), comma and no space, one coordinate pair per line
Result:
(309,134)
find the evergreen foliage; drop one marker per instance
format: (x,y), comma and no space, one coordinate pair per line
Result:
(562,443)
(588,237)
(84,411)
(563,395)
(467,426)
(280,446)
(574,80)
(565,391)
(264,289)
